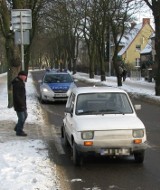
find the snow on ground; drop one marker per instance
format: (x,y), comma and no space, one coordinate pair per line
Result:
(133,86)
(24,164)
(32,104)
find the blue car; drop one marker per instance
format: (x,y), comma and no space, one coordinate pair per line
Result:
(56,86)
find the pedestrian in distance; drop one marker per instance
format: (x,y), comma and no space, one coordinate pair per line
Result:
(124,74)
(19,101)
(120,72)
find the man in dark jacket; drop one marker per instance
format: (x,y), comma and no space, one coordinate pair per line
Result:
(19,102)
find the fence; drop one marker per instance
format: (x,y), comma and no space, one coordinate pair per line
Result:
(135,75)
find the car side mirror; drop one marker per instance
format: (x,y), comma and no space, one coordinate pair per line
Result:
(75,80)
(69,110)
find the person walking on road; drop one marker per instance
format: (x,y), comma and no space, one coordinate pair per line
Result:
(19,102)
(124,74)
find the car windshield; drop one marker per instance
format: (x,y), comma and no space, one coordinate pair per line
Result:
(58,78)
(103,103)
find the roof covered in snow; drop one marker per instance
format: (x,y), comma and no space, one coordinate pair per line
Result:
(147,49)
(128,38)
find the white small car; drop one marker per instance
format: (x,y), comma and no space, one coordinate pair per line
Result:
(102,120)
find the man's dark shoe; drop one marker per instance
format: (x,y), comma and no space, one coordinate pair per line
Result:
(15,129)
(23,134)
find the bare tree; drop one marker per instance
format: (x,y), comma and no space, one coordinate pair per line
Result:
(88,26)
(93,25)
(12,50)
(120,15)
(155,7)
(101,19)
(60,25)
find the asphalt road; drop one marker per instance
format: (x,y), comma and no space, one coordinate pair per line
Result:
(104,173)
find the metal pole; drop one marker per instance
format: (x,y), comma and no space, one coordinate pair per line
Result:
(109,53)
(22,47)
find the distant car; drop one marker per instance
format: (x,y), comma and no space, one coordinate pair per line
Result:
(56,86)
(103,121)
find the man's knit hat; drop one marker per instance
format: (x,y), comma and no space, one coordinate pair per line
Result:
(22,73)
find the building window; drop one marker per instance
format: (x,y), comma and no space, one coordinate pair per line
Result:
(137,62)
(138,47)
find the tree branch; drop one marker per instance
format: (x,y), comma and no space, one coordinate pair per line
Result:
(149,4)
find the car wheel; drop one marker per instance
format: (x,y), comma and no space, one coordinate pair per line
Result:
(62,135)
(77,157)
(139,157)
(41,100)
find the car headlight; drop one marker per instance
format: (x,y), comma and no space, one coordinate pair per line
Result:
(87,135)
(45,88)
(138,133)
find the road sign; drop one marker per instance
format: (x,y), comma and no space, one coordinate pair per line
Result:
(18,40)
(21,18)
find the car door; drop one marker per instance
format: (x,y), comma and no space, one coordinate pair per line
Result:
(69,116)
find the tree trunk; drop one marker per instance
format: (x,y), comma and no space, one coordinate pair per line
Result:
(116,68)
(157,47)
(91,69)
(10,98)
(27,58)
(103,73)
(155,7)
(74,66)
(91,61)
(102,62)
(157,86)
(13,63)
(119,80)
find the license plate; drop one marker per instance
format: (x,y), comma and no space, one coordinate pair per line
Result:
(115,151)
(60,95)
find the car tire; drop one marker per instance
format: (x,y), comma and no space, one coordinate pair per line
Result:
(77,157)
(139,157)
(41,100)
(62,134)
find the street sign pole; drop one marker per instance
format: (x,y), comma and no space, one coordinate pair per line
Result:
(22,46)
(21,21)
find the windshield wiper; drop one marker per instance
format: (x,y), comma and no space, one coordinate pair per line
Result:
(111,111)
(89,112)
(108,111)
